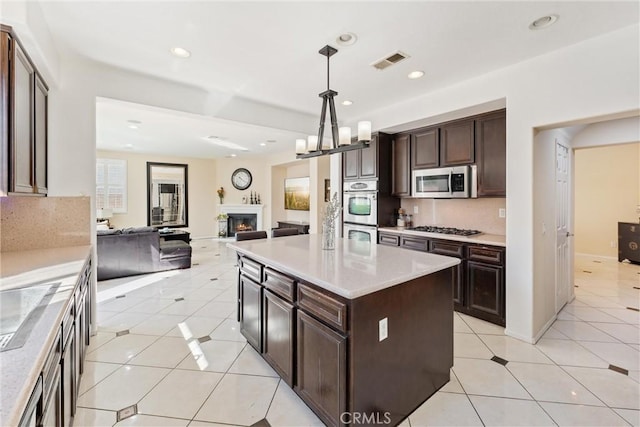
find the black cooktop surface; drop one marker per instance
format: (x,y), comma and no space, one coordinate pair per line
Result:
(445,230)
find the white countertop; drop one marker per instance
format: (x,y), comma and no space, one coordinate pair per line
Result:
(480,239)
(21,366)
(352,270)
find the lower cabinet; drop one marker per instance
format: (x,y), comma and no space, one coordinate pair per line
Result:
(279,327)
(486,291)
(321,361)
(52,408)
(251,312)
(68,381)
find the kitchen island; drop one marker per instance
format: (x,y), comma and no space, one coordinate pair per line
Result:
(362,333)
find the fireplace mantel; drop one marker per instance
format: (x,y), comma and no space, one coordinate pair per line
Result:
(244,209)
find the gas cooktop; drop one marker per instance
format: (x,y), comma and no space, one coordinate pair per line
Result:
(445,230)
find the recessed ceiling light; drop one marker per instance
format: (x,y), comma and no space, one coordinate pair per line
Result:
(180,52)
(415,74)
(271,141)
(543,22)
(263,144)
(346,39)
(234,155)
(135,122)
(347,102)
(133,127)
(128,146)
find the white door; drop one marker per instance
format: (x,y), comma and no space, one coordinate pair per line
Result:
(563,253)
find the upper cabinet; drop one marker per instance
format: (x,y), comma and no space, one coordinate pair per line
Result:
(23,95)
(491,154)
(425,148)
(400,171)
(479,140)
(456,143)
(373,162)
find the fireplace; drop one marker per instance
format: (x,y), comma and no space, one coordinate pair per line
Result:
(242,218)
(241,222)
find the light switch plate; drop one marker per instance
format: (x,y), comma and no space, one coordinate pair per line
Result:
(383,329)
(502,213)
(415,209)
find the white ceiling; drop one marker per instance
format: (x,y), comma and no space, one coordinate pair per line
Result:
(267,51)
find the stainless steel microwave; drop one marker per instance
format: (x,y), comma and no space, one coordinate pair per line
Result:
(458,182)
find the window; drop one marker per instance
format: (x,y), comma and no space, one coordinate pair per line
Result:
(111,185)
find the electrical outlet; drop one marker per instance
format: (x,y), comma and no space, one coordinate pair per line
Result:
(415,209)
(502,213)
(613,244)
(383,329)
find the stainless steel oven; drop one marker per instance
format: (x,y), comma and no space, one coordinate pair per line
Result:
(360,202)
(459,182)
(363,233)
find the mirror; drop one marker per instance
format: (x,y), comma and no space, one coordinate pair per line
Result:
(167,195)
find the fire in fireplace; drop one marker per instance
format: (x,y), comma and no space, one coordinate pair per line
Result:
(241,222)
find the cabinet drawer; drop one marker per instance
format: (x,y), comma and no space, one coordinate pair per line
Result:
(448,248)
(388,239)
(486,254)
(251,268)
(279,284)
(322,306)
(415,243)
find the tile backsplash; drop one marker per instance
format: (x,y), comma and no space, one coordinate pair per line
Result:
(479,214)
(44,222)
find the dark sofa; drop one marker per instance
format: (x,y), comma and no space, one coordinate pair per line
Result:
(131,251)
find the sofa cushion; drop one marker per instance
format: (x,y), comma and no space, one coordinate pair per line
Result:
(108,232)
(134,230)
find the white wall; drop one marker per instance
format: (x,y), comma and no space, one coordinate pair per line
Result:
(595,78)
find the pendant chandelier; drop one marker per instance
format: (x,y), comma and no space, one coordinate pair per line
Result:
(340,137)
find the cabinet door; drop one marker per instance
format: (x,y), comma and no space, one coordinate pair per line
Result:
(321,374)
(491,154)
(79,338)
(369,159)
(415,243)
(486,291)
(425,149)
(457,143)
(350,160)
(40,137)
(401,174)
(458,285)
(22,144)
(388,239)
(251,312)
(279,337)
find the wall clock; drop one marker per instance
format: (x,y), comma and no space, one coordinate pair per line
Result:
(241,178)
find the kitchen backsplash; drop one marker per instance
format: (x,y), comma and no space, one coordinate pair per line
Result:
(44,222)
(479,214)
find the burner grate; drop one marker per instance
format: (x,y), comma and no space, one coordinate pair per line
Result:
(446,230)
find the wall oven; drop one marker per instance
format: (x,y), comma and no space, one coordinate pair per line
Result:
(360,202)
(363,233)
(459,182)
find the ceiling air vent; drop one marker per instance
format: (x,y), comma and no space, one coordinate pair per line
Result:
(390,60)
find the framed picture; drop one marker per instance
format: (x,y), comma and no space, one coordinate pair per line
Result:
(296,194)
(327,190)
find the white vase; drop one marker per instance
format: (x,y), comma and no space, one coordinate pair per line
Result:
(329,236)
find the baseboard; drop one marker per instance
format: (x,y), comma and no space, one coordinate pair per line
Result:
(519,337)
(595,256)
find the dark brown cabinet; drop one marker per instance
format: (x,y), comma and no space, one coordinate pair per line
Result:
(361,164)
(491,154)
(401,172)
(629,242)
(23,95)
(279,321)
(457,143)
(251,312)
(321,361)
(479,279)
(425,148)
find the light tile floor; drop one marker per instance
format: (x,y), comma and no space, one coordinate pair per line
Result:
(184,362)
